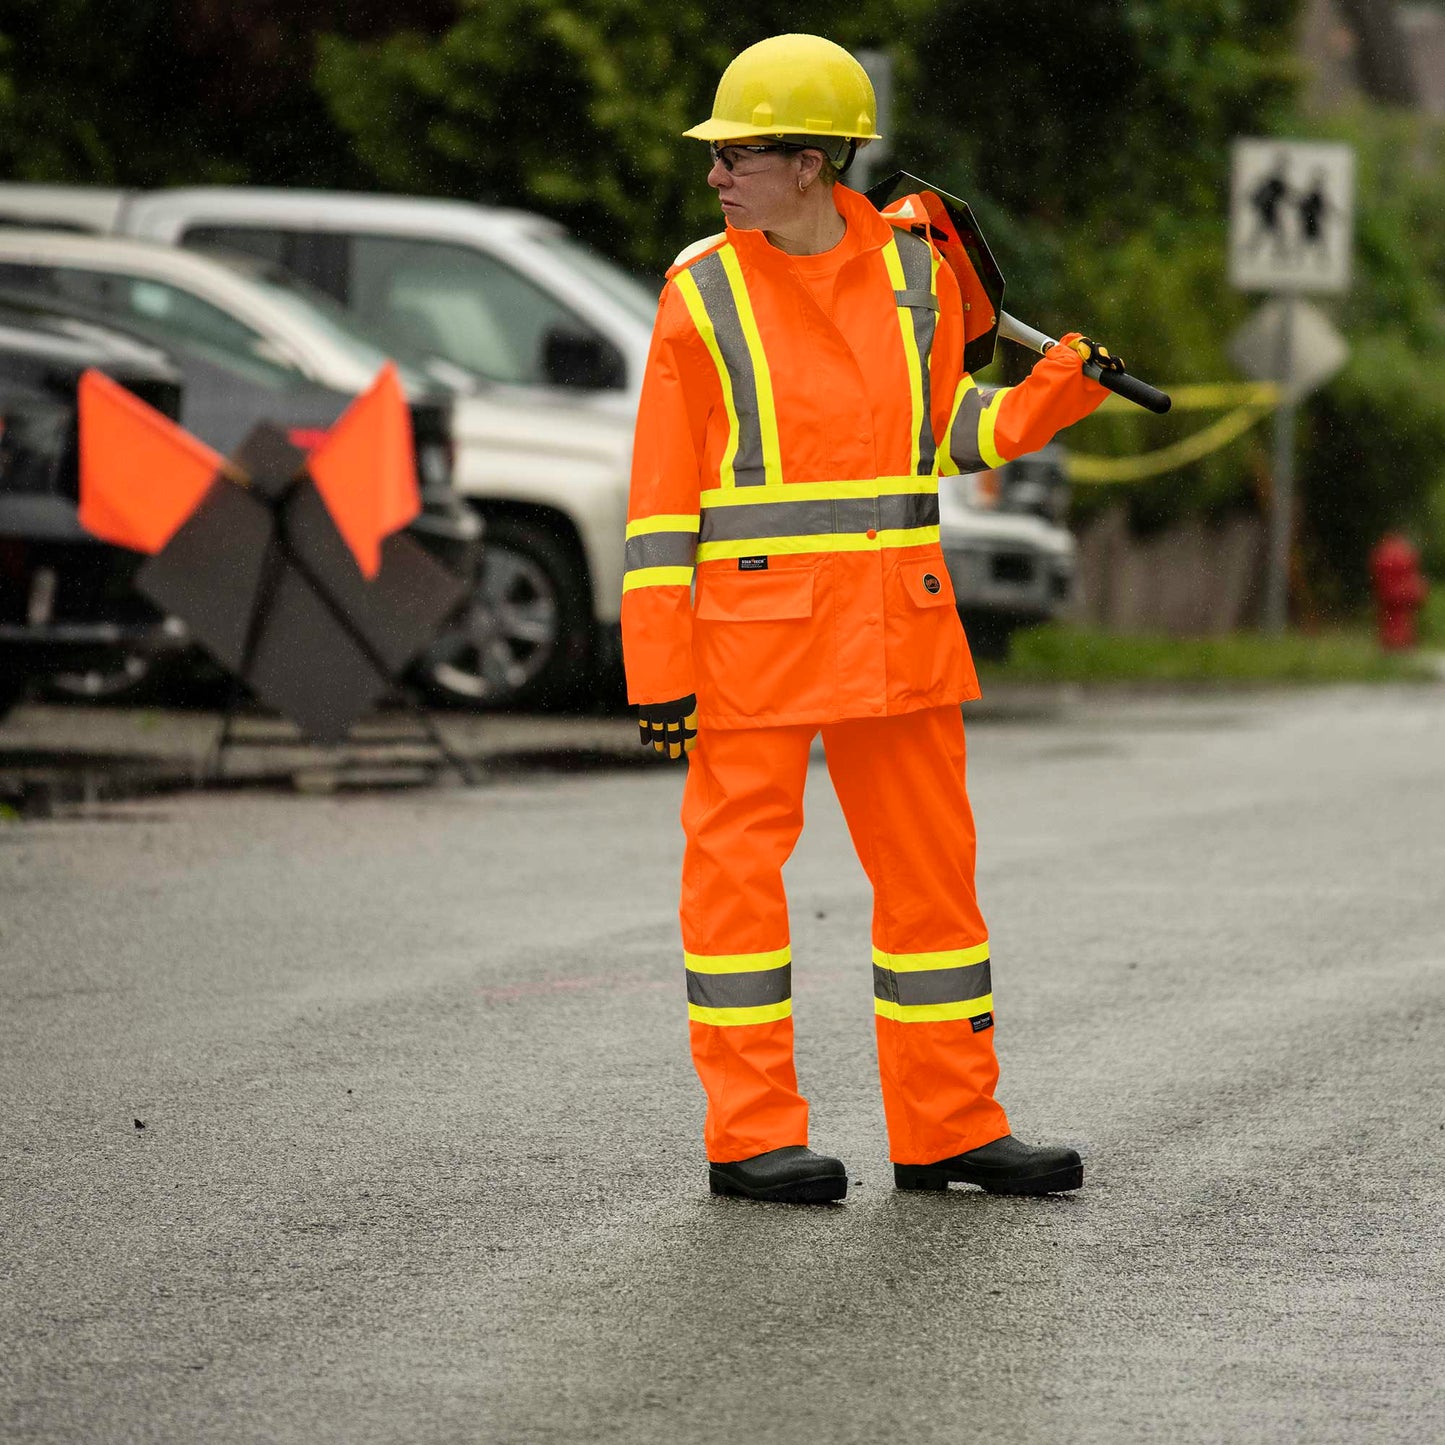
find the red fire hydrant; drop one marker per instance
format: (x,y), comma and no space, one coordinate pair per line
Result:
(1400,590)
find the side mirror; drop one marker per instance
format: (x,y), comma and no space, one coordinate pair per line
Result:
(582,359)
(277,354)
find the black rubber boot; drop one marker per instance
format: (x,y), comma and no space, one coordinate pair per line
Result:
(793,1175)
(1007,1166)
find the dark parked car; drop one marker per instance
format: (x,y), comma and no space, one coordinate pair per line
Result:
(218,397)
(225,392)
(66,600)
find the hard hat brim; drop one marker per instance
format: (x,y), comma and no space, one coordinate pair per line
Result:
(715,129)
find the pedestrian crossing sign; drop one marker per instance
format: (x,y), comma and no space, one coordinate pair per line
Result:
(1291,215)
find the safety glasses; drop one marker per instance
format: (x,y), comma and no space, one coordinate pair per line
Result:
(738,160)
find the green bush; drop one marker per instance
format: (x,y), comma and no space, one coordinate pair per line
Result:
(1432,615)
(1057,653)
(1373,441)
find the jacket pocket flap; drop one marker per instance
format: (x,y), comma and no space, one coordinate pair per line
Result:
(929,584)
(755,596)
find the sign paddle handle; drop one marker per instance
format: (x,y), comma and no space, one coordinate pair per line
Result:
(1129,387)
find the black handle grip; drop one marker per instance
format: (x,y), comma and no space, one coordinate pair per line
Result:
(1132,389)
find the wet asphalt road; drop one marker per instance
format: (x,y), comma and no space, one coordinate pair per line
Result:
(421,1161)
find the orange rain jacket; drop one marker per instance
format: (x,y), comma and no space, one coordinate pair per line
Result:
(783,558)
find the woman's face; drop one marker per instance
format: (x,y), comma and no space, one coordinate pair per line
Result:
(762,192)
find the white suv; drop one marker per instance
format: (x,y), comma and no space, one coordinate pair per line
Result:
(513,297)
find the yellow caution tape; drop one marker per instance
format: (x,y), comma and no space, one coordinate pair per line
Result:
(1252,400)
(1210,396)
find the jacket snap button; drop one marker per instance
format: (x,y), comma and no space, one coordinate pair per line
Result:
(872,533)
(930,582)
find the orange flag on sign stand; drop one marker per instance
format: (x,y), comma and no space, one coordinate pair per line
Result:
(365,470)
(141,475)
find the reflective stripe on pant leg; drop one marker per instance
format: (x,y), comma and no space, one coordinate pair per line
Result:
(742,811)
(739,988)
(916,988)
(901,781)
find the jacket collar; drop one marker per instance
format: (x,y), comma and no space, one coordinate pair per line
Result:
(867,226)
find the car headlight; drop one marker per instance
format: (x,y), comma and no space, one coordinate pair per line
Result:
(980,491)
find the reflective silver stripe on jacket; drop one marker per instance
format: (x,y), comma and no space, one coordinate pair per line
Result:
(963,439)
(921,299)
(660,549)
(819,518)
(711,278)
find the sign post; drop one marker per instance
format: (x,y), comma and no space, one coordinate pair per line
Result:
(1281,513)
(1291,219)
(869,163)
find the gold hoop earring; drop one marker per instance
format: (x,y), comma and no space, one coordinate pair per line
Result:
(802,184)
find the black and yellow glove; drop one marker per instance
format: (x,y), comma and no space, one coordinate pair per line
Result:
(669,727)
(1093,351)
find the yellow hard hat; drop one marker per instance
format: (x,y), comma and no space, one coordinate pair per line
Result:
(792,85)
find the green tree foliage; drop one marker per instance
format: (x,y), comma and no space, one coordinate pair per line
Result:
(1094,141)
(1101,174)
(84,92)
(1096,119)
(1371,443)
(1042,112)
(176,92)
(572,108)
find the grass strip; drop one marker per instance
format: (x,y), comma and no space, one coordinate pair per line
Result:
(1060,653)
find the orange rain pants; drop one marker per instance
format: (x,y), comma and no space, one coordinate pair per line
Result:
(900,781)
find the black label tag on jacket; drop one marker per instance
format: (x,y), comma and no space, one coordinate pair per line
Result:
(752,564)
(982,1022)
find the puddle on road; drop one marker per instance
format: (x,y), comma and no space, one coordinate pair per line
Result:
(40,783)
(1137,709)
(1078,752)
(36,784)
(572,760)
(94,794)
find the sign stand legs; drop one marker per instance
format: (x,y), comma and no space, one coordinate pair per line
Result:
(280,552)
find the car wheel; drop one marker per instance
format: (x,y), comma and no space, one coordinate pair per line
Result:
(524,637)
(120,676)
